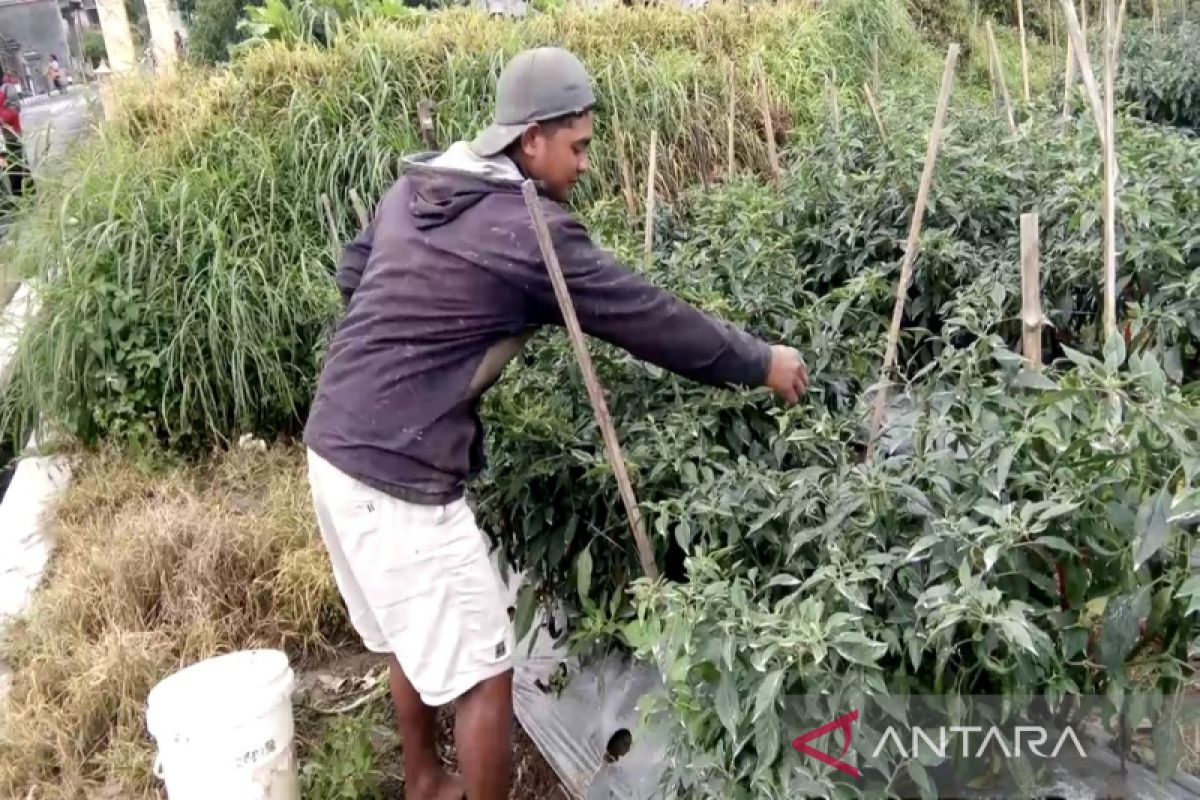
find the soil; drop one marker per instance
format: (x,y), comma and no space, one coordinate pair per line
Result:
(356,682)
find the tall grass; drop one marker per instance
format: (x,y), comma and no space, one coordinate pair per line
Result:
(183,263)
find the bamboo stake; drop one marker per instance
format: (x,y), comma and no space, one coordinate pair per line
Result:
(914,238)
(1024,51)
(1110,171)
(1069,83)
(425,111)
(768,123)
(331,221)
(626,171)
(651,175)
(360,209)
(1157,31)
(999,68)
(1031,298)
(731,158)
(1085,65)
(699,140)
(875,79)
(1117,39)
(612,445)
(874,106)
(834,109)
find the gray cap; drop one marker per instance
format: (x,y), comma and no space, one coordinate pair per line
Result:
(535,86)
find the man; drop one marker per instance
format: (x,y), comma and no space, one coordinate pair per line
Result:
(12,160)
(442,289)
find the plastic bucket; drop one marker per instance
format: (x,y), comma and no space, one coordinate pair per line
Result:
(224,729)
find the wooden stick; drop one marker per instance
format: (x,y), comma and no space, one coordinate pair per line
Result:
(425,111)
(626,172)
(768,123)
(1085,65)
(360,209)
(700,142)
(331,221)
(999,67)
(875,62)
(1024,51)
(875,111)
(1157,31)
(651,175)
(914,239)
(732,163)
(595,392)
(835,110)
(1110,171)
(1069,83)
(1031,292)
(1117,41)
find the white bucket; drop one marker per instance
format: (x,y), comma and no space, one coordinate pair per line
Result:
(224,729)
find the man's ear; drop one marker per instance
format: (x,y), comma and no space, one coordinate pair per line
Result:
(528,141)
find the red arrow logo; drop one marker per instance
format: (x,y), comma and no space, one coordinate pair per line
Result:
(842,723)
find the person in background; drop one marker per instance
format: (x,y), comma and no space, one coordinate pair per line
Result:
(54,73)
(442,289)
(15,166)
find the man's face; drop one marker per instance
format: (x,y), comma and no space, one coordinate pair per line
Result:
(557,154)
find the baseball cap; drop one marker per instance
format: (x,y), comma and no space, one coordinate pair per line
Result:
(535,86)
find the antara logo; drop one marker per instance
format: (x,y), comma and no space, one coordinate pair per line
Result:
(1027,738)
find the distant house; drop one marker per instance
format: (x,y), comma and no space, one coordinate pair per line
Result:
(33,30)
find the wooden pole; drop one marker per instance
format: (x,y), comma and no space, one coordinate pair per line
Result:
(1031,292)
(360,209)
(731,157)
(698,139)
(334,236)
(595,392)
(1118,38)
(768,123)
(1110,170)
(1085,65)
(425,112)
(1024,51)
(626,172)
(1157,29)
(874,106)
(835,110)
(914,239)
(999,68)
(1069,84)
(875,79)
(651,175)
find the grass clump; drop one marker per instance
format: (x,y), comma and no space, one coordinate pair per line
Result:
(155,567)
(183,265)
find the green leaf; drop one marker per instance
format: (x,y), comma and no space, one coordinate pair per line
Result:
(728,702)
(689,474)
(1114,350)
(1003,465)
(766,740)
(683,535)
(583,573)
(526,609)
(1167,748)
(783,580)
(1029,379)
(1079,359)
(917,772)
(859,648)
(768,693)
(1056,510)
(1057,543)
(1119,634)
(1152,527)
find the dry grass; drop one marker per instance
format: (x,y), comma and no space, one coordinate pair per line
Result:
(157,566)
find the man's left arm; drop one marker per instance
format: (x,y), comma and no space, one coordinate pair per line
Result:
(354,261)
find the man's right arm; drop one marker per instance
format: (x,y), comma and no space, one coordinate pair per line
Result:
(621,307)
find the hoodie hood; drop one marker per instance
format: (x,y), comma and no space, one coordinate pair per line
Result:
(447,184)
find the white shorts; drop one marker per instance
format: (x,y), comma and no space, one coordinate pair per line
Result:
(417,582)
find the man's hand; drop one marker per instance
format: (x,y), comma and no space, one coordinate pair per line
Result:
(787,377)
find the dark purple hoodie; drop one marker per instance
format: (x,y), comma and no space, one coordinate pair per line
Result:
(442,289)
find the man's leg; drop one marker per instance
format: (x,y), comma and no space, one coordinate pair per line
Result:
(483,736)
(424,776)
